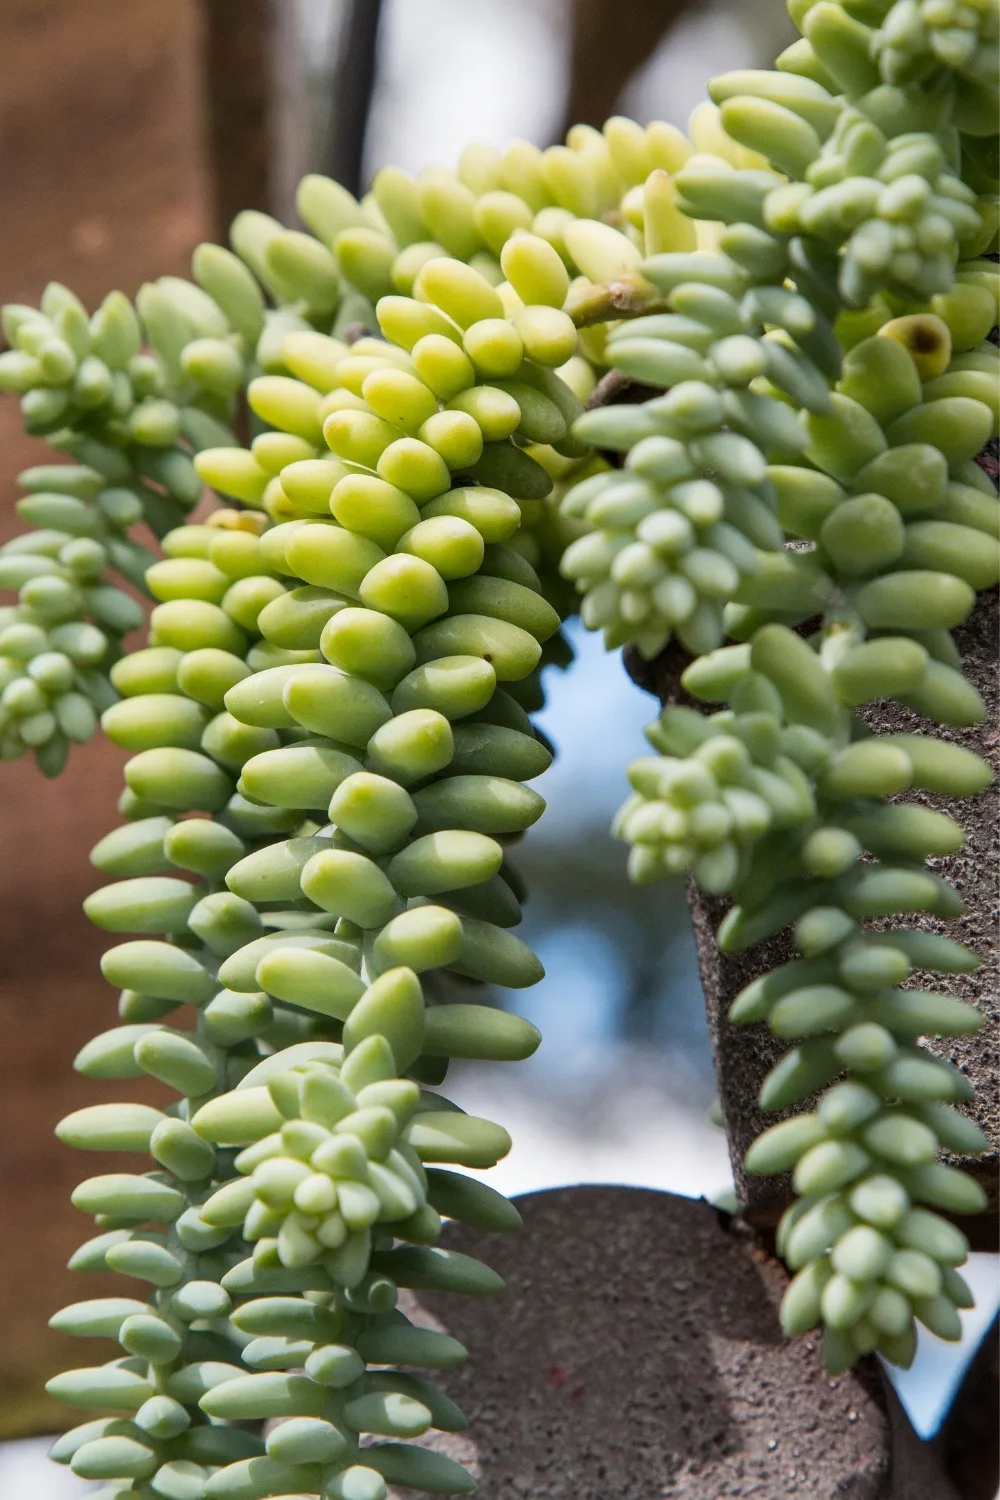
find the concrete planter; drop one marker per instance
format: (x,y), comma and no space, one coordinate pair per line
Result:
(637,1354)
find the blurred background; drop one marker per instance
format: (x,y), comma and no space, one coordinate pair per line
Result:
(129,131)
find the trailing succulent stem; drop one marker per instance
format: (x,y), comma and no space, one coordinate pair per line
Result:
(131,393)
(814,388)
(265,914)
(329,725)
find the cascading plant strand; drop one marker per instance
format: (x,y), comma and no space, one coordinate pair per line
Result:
(757,801)
(58,642)
(168,896)
(335,1140)
(781,799)
(131,394)
(403,728)
(181,1344)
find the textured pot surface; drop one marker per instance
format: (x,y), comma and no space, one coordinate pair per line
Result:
(636,1353)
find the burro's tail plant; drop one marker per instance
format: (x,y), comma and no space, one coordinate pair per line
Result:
(300,1165)
(330,728)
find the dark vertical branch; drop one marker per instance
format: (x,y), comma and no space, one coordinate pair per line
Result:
(968,1440)
(353,86)
(611,39)
(238,45)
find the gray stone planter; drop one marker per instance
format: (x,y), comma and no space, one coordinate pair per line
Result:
(637,1354)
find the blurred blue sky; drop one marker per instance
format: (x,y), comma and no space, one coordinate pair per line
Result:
(594,715)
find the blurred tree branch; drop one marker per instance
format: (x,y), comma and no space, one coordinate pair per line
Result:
(611,39)
(353,86)
(238,40)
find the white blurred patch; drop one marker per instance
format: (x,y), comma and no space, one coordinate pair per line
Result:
(455,71)
(27,1474)
(712,38)
(594,714)
(616,1120)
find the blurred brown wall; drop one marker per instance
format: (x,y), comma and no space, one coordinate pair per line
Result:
(102,184)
